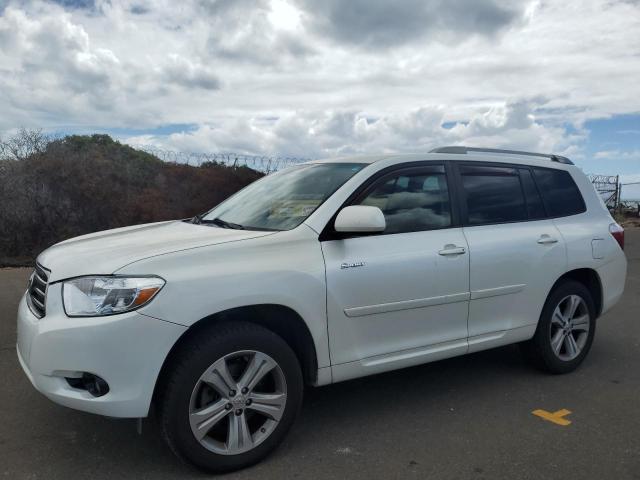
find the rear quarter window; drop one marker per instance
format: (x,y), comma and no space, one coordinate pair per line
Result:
(560,193)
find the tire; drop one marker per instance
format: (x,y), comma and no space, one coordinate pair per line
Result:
(192,400)
(551,348)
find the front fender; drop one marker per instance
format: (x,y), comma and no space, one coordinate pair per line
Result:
(285,269)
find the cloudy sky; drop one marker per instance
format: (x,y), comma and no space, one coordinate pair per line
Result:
(316,78)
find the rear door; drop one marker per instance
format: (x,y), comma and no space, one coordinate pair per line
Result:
(515,251)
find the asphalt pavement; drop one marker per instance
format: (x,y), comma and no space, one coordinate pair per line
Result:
(464,418)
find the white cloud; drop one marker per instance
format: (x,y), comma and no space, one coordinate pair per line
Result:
(633,155)
(182,72)
(382,24)
(289,77)
(284,16)
(630,189)
(314,134)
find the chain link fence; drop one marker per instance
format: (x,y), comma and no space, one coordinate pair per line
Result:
(610,189)
(608,186)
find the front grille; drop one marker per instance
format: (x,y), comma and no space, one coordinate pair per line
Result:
(37,292)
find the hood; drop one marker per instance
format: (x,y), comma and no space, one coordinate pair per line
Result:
(103,253)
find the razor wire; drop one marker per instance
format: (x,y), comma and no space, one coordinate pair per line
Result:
(261,163)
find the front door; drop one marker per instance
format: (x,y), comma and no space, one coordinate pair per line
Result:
(399,297)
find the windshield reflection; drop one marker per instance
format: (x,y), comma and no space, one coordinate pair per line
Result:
(282,200)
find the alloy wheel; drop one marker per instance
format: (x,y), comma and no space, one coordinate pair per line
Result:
(237,402)
(570,325)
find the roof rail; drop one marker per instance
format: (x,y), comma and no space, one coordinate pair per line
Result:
(464,150)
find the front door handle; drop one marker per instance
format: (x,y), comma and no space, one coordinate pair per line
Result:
(546,239)
(451,249)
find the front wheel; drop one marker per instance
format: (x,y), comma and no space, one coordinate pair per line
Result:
(231,396)
(565,331)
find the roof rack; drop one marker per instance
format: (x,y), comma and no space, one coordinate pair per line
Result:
(464,150)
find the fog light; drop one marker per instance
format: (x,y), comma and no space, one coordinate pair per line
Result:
(93,384)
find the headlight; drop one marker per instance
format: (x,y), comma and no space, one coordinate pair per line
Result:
(96,296)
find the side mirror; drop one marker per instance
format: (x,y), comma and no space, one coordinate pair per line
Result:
(360,219)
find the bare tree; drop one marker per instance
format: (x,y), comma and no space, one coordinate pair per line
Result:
(23,144)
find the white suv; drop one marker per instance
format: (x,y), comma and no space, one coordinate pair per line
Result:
(323,272)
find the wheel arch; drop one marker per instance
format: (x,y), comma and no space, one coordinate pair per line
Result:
(590,279)
(280,319)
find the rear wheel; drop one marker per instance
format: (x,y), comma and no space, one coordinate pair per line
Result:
(230,397)
(565,331)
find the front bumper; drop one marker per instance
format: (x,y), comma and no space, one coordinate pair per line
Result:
(126,350)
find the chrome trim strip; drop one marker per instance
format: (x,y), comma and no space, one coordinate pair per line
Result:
(495,292)
(405,305)
(38,286)
(432,301)
(37,302)
(32,307)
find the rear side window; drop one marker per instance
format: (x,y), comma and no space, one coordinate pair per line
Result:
(412,201)
(493,194)
(560,193)
(535,208)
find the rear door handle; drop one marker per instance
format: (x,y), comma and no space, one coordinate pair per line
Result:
(452,250)
(546,239)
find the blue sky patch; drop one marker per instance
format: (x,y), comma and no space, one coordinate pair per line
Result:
(123,133)
(86,4)
(612,146)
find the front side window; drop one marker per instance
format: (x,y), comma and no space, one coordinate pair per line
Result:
(560,193)
(282,200)
(412,201)
(493,194)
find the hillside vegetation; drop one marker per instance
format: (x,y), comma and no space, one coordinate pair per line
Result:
(51,190)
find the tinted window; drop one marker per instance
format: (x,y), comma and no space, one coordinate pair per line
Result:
(559,191)
(535,209)
(412,201)
(493,194)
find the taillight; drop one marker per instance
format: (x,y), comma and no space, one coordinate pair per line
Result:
(618,233)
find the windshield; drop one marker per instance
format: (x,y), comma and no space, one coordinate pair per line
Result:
(282,200)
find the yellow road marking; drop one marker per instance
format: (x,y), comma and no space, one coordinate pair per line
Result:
(555,417)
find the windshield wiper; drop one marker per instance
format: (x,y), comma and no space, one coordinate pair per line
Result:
(222,223)
(199,220)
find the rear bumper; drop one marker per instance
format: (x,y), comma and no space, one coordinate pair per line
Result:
(126,350)
(613,276)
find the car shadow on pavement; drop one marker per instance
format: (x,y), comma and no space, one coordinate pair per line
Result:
(92,445)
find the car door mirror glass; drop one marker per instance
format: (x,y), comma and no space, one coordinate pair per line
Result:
(360,219)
